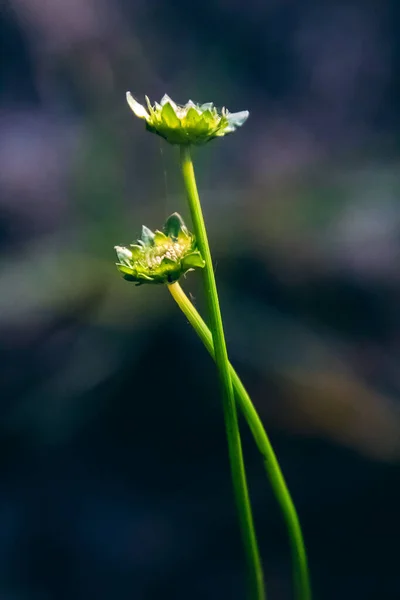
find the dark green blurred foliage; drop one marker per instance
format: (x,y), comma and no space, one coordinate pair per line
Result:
(303,212)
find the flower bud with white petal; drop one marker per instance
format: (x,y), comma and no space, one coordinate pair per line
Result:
(162,256)
(189,123)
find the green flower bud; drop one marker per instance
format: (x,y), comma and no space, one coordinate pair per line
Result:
(160,256)
(187,124)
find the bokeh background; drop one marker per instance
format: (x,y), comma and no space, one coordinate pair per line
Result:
(114,478)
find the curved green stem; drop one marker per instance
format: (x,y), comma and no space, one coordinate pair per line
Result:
(229,405)
(301,575)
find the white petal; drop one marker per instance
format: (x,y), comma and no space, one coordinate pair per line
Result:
(190,104)
(237,119)
(165,99)
(137,108)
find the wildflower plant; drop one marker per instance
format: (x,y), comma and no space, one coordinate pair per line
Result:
(163,257)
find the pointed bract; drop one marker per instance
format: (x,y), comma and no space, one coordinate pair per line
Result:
(174,225)
(147,236)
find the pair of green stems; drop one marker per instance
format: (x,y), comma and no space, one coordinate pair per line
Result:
(231,386)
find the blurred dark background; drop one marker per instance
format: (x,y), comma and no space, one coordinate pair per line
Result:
(114,478)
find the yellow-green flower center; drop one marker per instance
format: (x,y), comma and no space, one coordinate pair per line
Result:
(154,255)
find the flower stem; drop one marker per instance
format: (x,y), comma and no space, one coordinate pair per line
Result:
(279,486)
(229,405)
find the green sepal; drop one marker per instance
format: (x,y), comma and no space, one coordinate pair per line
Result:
(193,261)
(192,118)
(168,262)
(208,116)
(125,270)
(169,117)
(203,126)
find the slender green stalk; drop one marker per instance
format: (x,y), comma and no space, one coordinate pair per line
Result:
(301,575)
(229,405)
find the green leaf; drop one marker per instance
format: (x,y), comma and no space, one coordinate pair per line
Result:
(147,236)
(174,225)
(169,116)
(193,260)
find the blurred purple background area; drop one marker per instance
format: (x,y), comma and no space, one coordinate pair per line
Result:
(114,478)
